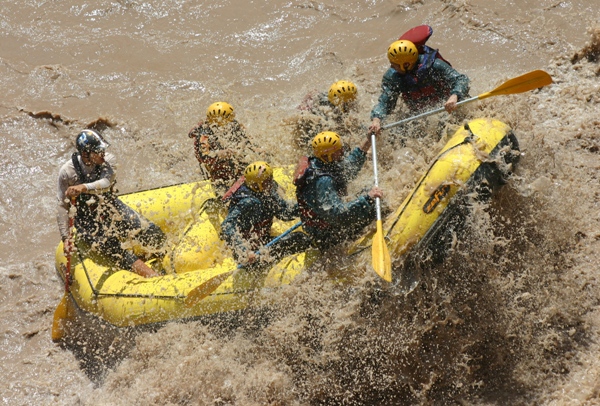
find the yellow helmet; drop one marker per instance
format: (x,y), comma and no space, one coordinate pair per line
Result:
(403,53)
(219,113)
(342,92)
(257,174)
(326,144)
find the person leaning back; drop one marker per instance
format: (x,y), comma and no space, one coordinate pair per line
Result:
(101,219)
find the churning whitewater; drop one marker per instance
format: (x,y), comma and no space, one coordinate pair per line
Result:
(509,317)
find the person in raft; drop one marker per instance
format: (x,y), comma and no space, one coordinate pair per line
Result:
(321,183)
(253,202)
(424,79)
(101,219)
(327,110)
(221,145)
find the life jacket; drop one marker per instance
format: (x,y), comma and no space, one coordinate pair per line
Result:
(85,201)
(419,36)
(219,169)
(307,172)
(256,232)
(419,96)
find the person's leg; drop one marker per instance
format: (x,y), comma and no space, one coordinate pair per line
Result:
(127,223)
(93,233)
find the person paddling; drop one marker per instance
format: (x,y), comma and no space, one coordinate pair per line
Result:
(321,183)
(102,220)
(331,110)
(254,202)
(423,80)
(221,146)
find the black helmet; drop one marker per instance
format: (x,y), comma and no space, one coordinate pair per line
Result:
(90,141)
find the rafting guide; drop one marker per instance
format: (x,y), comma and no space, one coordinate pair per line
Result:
(101,219)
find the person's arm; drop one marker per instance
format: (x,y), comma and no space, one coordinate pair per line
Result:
(390,91)
(62,215)
(102,185)
(354,161)
(286,209)
(238,219)
(459,83)
(328,205)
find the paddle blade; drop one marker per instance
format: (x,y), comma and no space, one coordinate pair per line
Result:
(65,312)
(524,83)
(381,256)
(205,289)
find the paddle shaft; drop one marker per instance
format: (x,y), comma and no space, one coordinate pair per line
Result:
(529,81)
(382,263)
(375,175)
(426,114)
(69,247)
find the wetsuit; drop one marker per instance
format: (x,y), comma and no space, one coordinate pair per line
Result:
(319,190)
(430,84)
(102,220)
(249,220)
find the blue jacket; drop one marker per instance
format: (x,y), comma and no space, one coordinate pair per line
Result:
(250,217)
(430,84)
(319,190)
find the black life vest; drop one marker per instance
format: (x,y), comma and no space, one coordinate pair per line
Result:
(259,231)
(419,96)
(307,172)
(87,201)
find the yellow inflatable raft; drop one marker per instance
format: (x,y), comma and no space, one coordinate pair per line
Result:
(476,155)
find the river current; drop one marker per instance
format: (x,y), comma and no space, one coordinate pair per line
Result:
(511,316)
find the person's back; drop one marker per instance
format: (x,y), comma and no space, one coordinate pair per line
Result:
(321,182)
(220,144)
(253,203)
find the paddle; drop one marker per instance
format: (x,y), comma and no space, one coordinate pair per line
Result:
(381,256)
(529,81)
(208,287)
(66,308)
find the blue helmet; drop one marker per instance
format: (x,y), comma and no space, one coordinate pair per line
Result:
(90,141)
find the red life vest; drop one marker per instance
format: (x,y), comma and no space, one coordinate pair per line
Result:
(419,36)
(238,183)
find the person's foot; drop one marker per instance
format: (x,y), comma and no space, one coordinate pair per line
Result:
(140,268)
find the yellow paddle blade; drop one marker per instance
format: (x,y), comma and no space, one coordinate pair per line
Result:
(381,256)
(65,311)
(524,83)
(206,288)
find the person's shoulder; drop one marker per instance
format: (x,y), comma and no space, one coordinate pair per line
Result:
(66,168)
(391,76)
(440,64)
